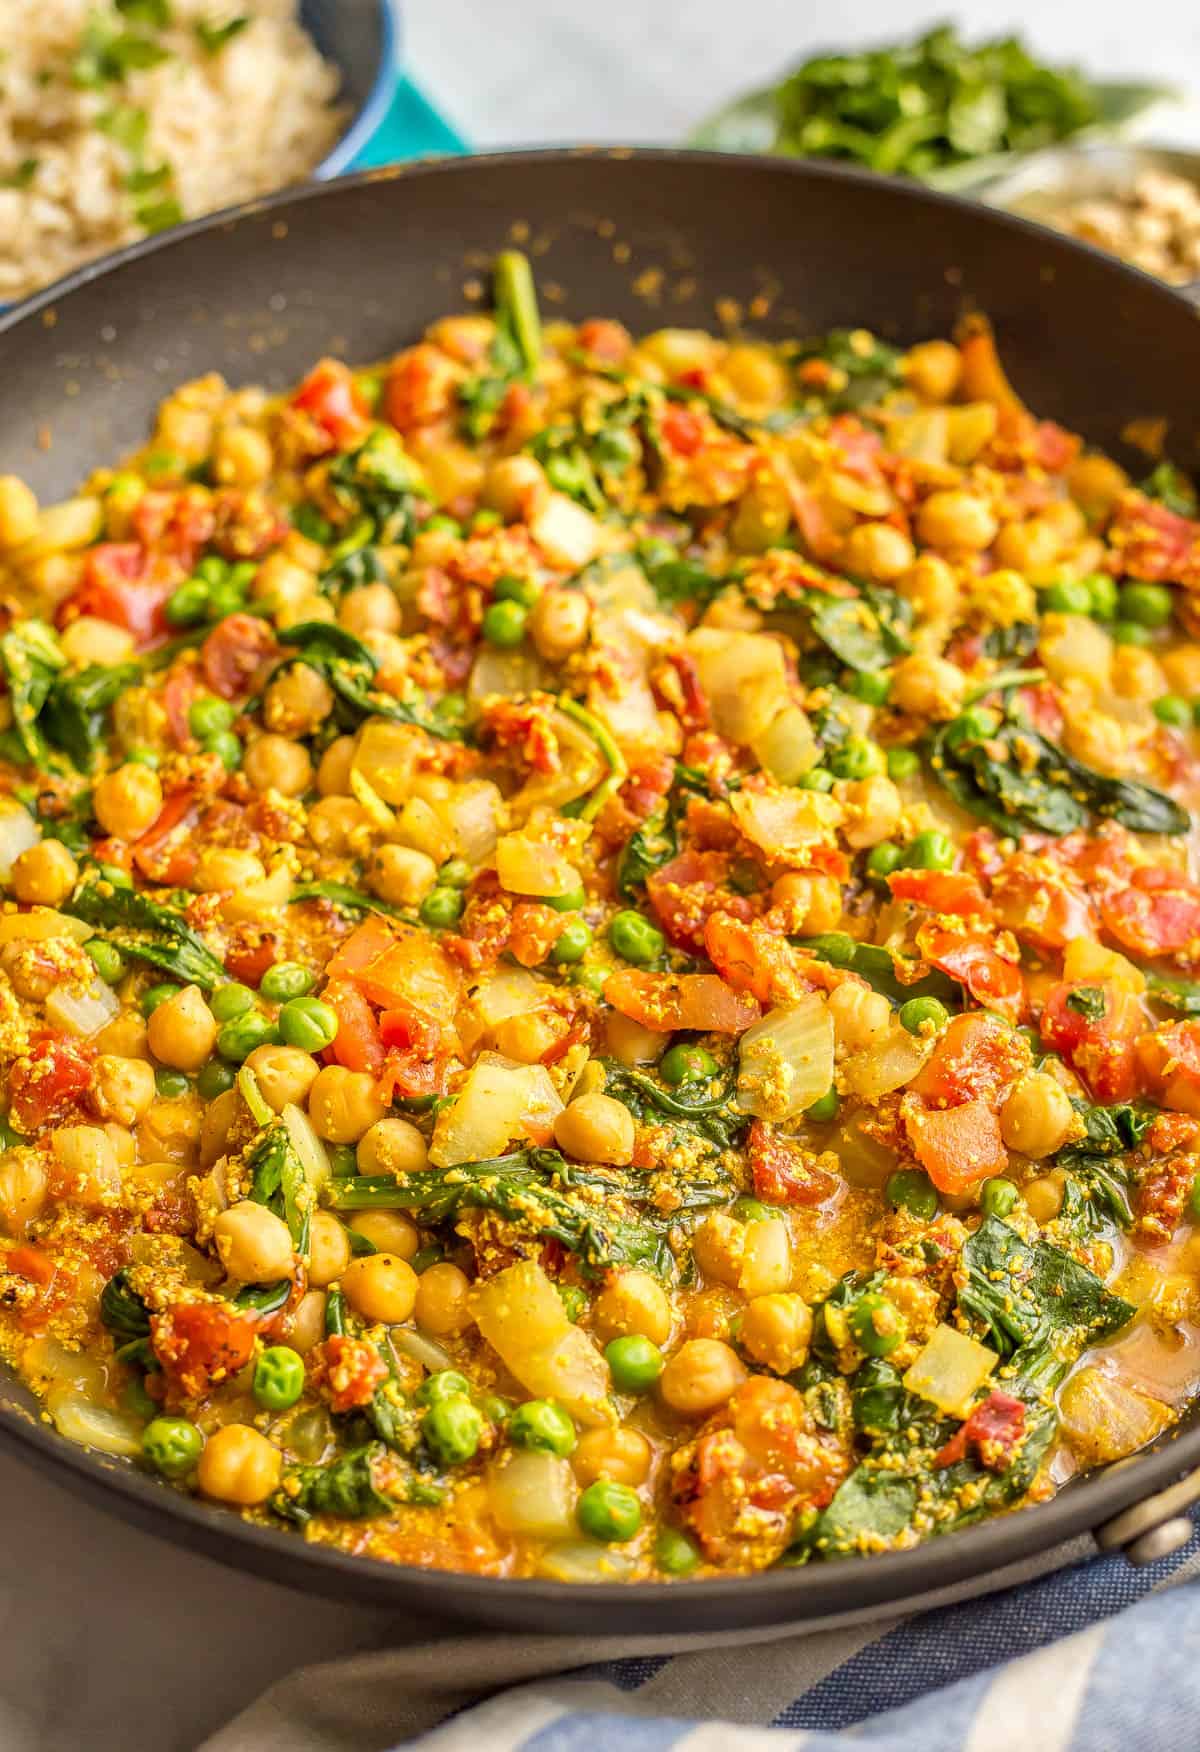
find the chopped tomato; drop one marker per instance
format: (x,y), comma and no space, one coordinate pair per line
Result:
(977,1058)
(166,852)
(1053,448)
(421,388)
(415,970)
(249,952)
(47,1082)
(535,931)
(357,1044)
(115,588)
(688,890)
(941,891)
(331,396)
(957,1146)
(1155,543)
(200,1344)
(968,956)
(1041,904)
(663,1002)
(31,1263)
(782,1173)
(754,958)
(1159,914)
(352,1369)
(177,697)
(604,340)
(993,1430)
(1170,1060)
(1101,1051)
(234,652)
(682,430)
(365,944)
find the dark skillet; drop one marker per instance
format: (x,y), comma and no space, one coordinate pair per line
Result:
(358,268)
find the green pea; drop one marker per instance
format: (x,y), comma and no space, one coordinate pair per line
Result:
(930,850)
(442,1384)
(976,724)
(106,958)
(213,569)
(485,520)
(857,758)
(147,757)
(453,1430)
(592,979)
(213,1078)
(312,525)
(1146,605)
(456,873)
(284,980)
(572,943)
(238,1039)
(1127,632)
(171,1084)
(226,745)
(225,599)
(883,859)
(997,1197)
(155,995)
(172,1444)
(824,1108)
(441,520)
(278,1378)
(1103,591)
(512,589)
(686,1064)
(839,948)
(910,1189)
(504,624)
(674,1552)
(242,574)
(609,1512)
(752,1210)
(540,1423)
(635,939)
(634,1362)
(231,1000)
(871,687)
(923,1015)
(1173,710)
(1067,596)
(574,1302)
(496,1409)
(572,901)
(138,1401)
(308,1024)
(451,711)
(188,604)
(902,763)
(441,908)
(876,1324)
(114,876)
(209,717)
(817,778)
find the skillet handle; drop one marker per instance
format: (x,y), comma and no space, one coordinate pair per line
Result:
(1156,1527)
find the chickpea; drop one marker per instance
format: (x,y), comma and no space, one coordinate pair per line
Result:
(860,1015)
(559,622)
(239,1466)
(1096,483)
(88,1162)
(711,1313)
(401,876)
(776,1331)
(634,1302)
(90,640)
(328,1249)
(182,1031)
(701,1375)
(18,512)
(1097,738)
(595,1128)
(170,1131)
(928,687)
(1030,547)
(933,369)
(339,826)
(381,1287)
(370,608)
(226,870)
(284,1074)
(216,1125)
(343,1104)
(282,582)
(443,1294)
(298,703)
(242,457)
(526,1038)
(388,1231)
(515,486)
(333,774)
(1037,1118)
(877,550)
(756,375)
(956,522)
(1044,1196)
(392,1146)
(125,1036)
(1181,668)
(253,1244)
(128,801)
(308,1321)
(813,903)
(620,1455)
(932,588)
(718,1244)
(1002,596)
(22,1189)
(875,811)
(276,763)
(44,875)
(124,1088)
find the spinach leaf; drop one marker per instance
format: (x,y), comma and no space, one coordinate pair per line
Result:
(140,928)
(349,668)
(352,1486)
(878,967)
(1180,995)
(30,659)
(675,578)
(1172,488)
(278,1180)
(1100,1180)
(646,850)
(868,368)
(213,37)
(1012,644)
(122,1310)
(588,458)
(710,1117)
(345,898)
(262,1299)
(379,481)
(1088,1002)
(74,714)
(866,632)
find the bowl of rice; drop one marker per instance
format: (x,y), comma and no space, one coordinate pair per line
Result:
(119,118)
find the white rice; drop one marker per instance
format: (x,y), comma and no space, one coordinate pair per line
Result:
(255,116)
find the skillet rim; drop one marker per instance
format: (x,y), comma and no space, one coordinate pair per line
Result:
(806,1592)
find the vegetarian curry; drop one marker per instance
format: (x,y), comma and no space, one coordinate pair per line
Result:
(596,963)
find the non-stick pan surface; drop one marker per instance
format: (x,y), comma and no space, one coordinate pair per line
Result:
(358,268)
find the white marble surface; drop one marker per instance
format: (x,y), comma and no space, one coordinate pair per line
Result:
(109,1639)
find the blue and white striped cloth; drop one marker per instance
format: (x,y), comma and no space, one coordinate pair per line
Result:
(1094,1658)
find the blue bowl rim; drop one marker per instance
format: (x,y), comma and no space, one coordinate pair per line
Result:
(378,100)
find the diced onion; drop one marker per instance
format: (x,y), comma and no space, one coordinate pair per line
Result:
(532,866)
(419,1349)
(950,1370)
(520,1314)
(82,1011)
(499,1101)
(1075,647)
(473,812)
(75,523)
(95,1426)
(787,748)
(969,429)
(509,991)
(766,1258)
(923,436)
(862,1158)
(785,824)
(307,1145)
(257,898)
(504,673)
(744,679)
(568,535)
(386,756)
(66,1372)
(886,1064)
(371,802)
(534,1493)
(18,831)
(1104,1420)
(785,1062)
(583,1560)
